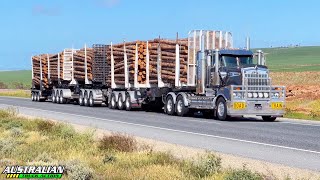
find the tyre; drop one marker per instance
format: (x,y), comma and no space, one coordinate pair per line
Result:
(113,102)
(181,108)
(53,97)
(128,103)
(81,99)
(32,96)
(120,102)
(86,99)
(57,97)
(91,100)
(269,118)
(221,110)
(62,99)
(38,97)
(169,105)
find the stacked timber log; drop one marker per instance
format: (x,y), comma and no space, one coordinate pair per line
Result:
(168,59)
(79,64)
(36,60)
(54,66)
(142,52)
(101,67)
(118,56)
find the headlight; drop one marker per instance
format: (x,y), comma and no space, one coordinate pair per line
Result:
(266,95)
(255,95)
(275,95)
(260,95)
(249,95)
(237,95)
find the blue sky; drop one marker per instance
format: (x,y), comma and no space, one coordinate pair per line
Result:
(48,26)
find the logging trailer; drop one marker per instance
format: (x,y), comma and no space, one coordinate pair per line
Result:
(221,81)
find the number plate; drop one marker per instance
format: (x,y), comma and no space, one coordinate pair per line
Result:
(277,105)
(239,105)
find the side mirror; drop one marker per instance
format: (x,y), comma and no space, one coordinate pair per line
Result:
(223,74)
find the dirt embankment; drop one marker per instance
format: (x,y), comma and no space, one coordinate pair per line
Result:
(299,85)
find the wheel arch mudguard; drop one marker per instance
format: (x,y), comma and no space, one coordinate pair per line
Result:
(95,92)
(132,96)
(174,97)
(185,98)
(66,93)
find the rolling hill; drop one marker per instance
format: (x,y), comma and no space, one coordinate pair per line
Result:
(293,59)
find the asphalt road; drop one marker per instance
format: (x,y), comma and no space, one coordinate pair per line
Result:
(288,142)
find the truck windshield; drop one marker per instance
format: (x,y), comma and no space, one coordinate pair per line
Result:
(234,61)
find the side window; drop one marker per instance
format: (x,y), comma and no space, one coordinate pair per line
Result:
(213,60)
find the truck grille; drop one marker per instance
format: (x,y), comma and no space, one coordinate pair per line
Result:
(257,84)
(256,81)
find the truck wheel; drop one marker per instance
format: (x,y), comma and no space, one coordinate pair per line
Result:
(32,96)
(62,100)
(128,102)
(181,109)
(86,99)
(91,100)
(221,109)
(120,102)
(113,102)
(53,97)
(57,97)
(169,106)
(38,97)
(81,99)
(269,118)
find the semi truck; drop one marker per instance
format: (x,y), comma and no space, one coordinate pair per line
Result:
(220,81)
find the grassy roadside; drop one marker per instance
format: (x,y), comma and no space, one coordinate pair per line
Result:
(15,93)
(303,109)
(39,142)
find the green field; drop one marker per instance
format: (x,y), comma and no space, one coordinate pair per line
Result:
(293,59)
(16,79)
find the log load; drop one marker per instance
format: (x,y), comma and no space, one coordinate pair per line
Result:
(79,64)
(168,58)
(118,56)
(36,60)
(53,59)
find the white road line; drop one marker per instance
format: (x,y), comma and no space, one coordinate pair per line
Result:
(181,131)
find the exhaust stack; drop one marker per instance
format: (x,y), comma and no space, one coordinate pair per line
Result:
(247,43)
(201,68)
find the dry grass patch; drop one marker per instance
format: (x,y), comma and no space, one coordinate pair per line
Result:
(15,93)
